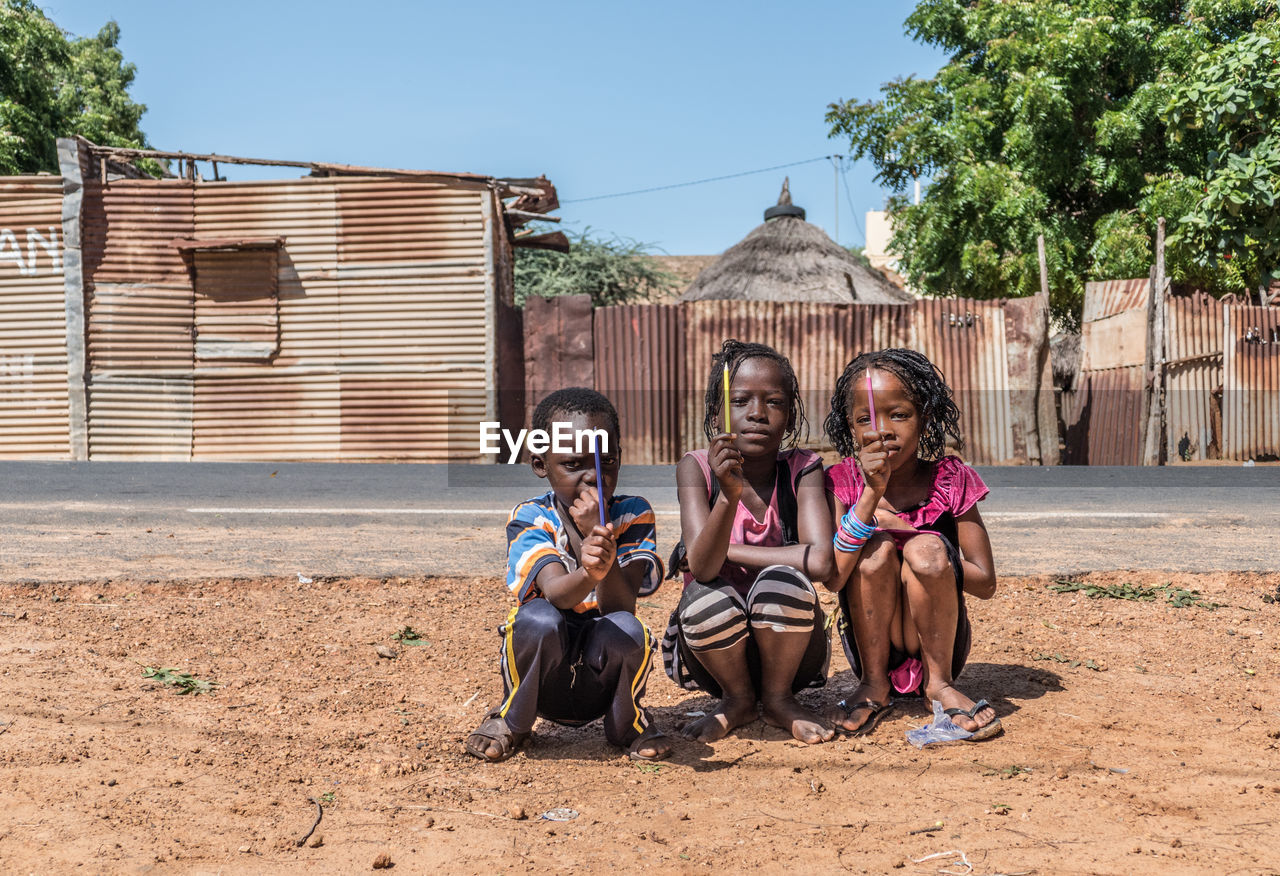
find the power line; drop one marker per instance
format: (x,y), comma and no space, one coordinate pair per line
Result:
(849,198)
(697,182)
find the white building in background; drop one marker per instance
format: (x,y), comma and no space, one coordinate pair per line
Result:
(879,232)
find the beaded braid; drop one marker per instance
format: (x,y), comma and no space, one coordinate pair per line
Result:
(924,383)
(736,352)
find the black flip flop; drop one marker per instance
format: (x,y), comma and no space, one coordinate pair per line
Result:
(641,741)
(878,712)
(494,729)
(986,731)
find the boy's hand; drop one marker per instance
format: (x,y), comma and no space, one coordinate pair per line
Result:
(726,464)
(598,552)
(873,459)
(585,511)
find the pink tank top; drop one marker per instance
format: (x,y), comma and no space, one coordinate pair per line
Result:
(746,528)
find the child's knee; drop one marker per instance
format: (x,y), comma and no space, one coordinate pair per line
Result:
(926,556)
(538,620)
(626,631)
(879,557)
(713,619)
(782,599)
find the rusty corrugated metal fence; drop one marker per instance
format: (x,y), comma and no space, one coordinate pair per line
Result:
(325,318)
(640,367)
(1193,377)
(34,422)
(654,361)
(1251,383)
(1222,378)
(353,317)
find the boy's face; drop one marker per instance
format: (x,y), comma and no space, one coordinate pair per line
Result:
(570,474)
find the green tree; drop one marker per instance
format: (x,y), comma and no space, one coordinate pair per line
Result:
(1231,109)
(53,85)
(1073,119)
(610,270)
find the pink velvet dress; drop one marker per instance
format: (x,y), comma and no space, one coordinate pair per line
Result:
(956,488)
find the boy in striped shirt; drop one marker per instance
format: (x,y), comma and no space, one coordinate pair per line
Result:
(573,649)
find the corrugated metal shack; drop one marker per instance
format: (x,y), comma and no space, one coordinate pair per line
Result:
(352,314)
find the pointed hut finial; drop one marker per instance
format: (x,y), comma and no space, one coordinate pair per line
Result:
(784,206)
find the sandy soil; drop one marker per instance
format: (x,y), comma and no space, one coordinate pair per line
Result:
(1140,737)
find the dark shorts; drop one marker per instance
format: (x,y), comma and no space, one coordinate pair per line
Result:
(964,631)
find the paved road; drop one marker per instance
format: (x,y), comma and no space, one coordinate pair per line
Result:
(156,521)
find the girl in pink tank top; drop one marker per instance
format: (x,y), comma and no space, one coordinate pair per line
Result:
(756,532)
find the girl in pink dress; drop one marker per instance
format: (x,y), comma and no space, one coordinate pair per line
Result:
(909,541)
(756,534)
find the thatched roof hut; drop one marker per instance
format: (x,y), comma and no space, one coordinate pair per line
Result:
(787,259)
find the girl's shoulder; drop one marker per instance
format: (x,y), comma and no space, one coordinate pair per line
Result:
(844,480)
(699,458)
(957,486)
(800,462)
(699,455)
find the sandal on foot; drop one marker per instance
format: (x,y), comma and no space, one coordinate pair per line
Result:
(878,712)
(494,729)
(643,741)
(986,731)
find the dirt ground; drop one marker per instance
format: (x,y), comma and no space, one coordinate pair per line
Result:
(1140,737)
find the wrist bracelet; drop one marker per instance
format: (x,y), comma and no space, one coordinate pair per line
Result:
(852,533)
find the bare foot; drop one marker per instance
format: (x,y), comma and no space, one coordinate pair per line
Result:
(880,691)
(953,699)
(787,713)
(733,712)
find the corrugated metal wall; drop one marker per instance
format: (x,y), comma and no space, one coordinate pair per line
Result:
(139,318)
(1193,375)
(965,339)
(1105,427)
(1109,297)
(382,314)
(1222,378)
(1251,383)
(34,421)
(639,365)
(290,407)
(417,295)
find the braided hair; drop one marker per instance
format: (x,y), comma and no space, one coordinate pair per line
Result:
(734,353)
(939,416)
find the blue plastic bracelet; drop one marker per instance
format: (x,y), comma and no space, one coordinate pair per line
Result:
(856,528)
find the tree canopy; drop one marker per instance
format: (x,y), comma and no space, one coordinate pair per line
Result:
(54,85)
(1085,121)
(610,270)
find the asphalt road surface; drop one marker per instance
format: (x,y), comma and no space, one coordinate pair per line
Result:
(180,521)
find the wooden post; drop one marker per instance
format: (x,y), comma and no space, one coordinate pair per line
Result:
(1042,426)
(1153,450)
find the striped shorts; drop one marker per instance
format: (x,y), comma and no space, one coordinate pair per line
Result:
(714,615)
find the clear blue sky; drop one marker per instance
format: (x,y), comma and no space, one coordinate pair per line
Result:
(601,97)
